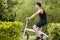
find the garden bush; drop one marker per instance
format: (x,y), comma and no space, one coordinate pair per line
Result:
(10,30)
(54,31)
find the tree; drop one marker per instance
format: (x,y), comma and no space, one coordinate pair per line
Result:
(5,11)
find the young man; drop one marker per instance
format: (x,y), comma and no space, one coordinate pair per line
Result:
(42,15)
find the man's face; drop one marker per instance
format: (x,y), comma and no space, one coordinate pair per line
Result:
(36,6)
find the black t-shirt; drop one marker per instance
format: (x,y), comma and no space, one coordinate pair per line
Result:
(43,16)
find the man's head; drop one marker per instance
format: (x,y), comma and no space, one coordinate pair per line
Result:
(38,5)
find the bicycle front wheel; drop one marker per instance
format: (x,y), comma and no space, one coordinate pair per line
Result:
(25,37)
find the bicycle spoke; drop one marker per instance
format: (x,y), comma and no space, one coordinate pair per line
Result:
(25,37)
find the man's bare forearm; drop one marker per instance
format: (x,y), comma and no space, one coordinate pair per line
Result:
(32,16)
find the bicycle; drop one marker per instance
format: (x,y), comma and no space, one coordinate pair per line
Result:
(25,35)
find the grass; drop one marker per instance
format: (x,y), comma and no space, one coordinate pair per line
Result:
(33,37)
(30,38)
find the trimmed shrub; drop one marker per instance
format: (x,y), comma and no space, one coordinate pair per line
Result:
(10,30)
(54,31)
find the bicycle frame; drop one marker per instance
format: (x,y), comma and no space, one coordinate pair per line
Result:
(27,29)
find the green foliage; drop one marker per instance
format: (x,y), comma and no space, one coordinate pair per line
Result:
(54,31)
(5,11)
(27,8)
(10,30)
(18,10)
(13,10)
(52,8)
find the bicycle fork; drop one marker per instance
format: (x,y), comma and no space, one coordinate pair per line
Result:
(25,28)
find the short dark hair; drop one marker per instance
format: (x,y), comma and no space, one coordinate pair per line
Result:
(38,4)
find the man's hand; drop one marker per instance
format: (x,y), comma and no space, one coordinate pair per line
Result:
(28,18)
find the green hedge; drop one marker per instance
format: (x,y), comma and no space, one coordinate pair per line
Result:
(10,30)
(54,31)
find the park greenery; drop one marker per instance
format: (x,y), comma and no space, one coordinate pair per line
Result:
(13,10)
(10,30)
(18,10)
(54,31)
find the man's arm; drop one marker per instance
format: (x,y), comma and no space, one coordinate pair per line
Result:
(39,11)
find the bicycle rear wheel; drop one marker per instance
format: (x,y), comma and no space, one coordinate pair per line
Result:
(25,37)
(44,37)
